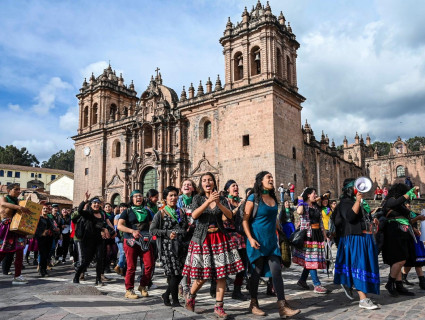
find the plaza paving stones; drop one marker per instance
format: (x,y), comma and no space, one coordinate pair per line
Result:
(57,298)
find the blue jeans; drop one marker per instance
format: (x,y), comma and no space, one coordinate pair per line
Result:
(292,196)
(121,260)
(313,274)
(282,196)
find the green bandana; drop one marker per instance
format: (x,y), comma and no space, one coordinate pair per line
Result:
(348,185)
(237,199)
(265,191)
(366,206)
(411,193)
(287,210)
(172,213)
(140,213)
(186,199)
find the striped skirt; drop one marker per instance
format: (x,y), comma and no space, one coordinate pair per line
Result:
(215,259)
(312,255)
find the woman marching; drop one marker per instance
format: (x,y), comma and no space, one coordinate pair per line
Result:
(211,255)
(399,239)
(188,191)
(170,226)
(231,190)
(262,249)
(312,255)
(357,254)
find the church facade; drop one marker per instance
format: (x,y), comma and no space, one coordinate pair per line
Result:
(235,129)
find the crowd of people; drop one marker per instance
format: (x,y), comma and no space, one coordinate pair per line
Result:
(199,234)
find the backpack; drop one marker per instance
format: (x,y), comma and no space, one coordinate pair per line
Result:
(336,223)
(238,218)
(80,228)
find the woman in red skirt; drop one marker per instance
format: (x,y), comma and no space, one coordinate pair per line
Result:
(211,255)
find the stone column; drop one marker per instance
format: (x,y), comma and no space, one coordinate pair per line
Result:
(318,172)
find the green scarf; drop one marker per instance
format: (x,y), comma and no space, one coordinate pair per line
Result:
(12,200)
(265,191)
(140,213)
(186,199)
(237,199)
(366,206)
(404,221)
(172,212)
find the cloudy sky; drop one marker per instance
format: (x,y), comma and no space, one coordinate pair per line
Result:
(361,64)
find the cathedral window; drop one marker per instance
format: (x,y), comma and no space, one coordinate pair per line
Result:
(238,66)
(125,113)
(255,61)
(116,149)
(245,140)
(94,114)
(401,172)
(207,129)
(294,153)
(288,69)
(148,136)
(86,117)
(279,63)
(113,112)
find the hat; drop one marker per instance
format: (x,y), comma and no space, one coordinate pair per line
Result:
(228,184)
(55,205)
(289,184)
(281,184)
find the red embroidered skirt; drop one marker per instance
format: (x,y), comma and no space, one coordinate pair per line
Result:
(215,259)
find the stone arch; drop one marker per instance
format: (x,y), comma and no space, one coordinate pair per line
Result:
(255,60)
(148,179)
(205,128)
(116,149)
(116,199)
(238,66)
(94,114)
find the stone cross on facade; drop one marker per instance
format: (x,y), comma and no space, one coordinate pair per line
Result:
(157,71)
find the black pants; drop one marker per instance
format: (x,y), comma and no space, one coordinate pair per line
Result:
(173,287)
(44,248)
(6,263)
(276,270)
(91,248)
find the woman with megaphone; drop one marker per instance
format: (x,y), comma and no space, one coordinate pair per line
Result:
(356,262)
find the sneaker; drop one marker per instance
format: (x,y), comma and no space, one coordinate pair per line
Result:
(320,289)
(181,293)
(367,304)
(348,292)
(143,291)
(19,280)
(71,258)
(104,279)
(303,285)
(130,294)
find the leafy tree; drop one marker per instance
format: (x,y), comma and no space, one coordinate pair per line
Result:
(12,155)
(382,147)
(415,143)
(61,161)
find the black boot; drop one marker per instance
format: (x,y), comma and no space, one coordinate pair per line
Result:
(237,294)
(166,298)
(405,281)
(27,257)
(402,290)
(76,278)
(422,282)
(390,286)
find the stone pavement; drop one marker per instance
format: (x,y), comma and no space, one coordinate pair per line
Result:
(56,297)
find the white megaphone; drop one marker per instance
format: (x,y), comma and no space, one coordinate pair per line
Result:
(363,184)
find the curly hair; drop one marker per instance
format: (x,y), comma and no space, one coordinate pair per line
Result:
(258,186)
(397,190)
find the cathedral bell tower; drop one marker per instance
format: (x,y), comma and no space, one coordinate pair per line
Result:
(259,47)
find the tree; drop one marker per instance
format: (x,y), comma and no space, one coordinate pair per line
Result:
(12,155)
(61,161)
(382,147)
(415,143)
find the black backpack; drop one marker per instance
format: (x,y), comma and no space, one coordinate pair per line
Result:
(336,223)
(238,218)
(80,228)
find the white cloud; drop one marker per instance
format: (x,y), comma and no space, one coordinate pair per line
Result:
(96,68)
(69,121)
(41,148)
(14,107)
(49,94)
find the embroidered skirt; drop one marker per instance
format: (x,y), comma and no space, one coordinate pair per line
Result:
(215,259)
(357,263)
(312,255)
(9,240)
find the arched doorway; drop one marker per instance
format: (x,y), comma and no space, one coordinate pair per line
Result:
(116,199)
(149,180)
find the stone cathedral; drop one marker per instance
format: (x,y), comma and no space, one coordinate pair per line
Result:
(248,123)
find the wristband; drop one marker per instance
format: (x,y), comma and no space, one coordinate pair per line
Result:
(300,203)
